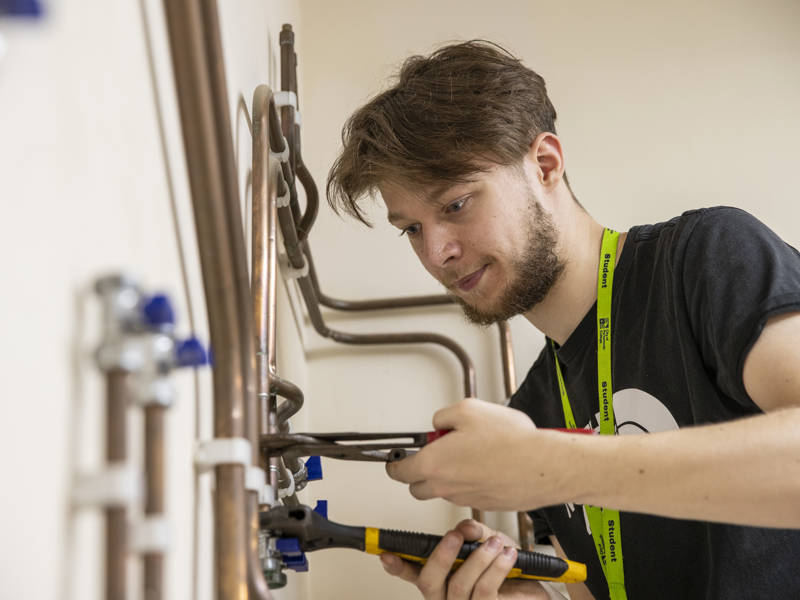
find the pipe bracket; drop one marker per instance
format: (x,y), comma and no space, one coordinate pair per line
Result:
(222,451)
(116,485)
(285,98)
(150,535)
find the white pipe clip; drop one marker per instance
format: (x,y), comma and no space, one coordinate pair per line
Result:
(150,535)
(222,451)
(268,496)
(116,485)
(255,479)
(283,155)
(289,271)
(285,98)
(287,491)
(284,200)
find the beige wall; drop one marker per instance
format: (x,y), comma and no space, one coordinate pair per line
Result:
(662,107)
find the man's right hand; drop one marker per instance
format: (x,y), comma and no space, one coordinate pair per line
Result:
(481,577)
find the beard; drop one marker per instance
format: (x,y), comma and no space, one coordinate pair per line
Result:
(533,273)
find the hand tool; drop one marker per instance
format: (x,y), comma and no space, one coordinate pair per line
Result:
(315,532)
(385,447)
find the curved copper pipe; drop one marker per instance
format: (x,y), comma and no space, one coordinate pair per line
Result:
(297,249)
(291,130)
(375,304)
(292,394)
(312,305)
(196,58)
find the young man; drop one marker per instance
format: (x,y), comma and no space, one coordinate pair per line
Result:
(693,324)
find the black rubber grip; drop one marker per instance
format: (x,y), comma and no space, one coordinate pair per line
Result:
(422,544)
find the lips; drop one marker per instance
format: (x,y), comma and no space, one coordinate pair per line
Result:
(465,284)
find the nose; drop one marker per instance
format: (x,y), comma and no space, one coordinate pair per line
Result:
(441,246)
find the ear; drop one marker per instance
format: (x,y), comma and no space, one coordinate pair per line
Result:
(546,159)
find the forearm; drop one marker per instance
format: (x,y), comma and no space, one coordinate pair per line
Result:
(745,471)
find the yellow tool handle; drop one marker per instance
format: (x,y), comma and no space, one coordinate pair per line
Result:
(417,547)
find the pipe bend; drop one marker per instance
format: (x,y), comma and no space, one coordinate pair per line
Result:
(293,395)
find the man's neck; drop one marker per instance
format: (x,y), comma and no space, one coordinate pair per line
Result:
(565,306)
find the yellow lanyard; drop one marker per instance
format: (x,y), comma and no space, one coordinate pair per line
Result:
(604,523)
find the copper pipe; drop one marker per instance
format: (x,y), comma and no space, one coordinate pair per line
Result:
(263,250)
(116,452)
(288,83)
(292,132)
(524,523)
(307,290)
(376,304)
(265,180)
(256,584)
(219,96)
(292,394)
(507,357)
(295,236)
(154,498)
(202,148)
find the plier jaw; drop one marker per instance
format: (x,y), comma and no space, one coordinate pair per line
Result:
(312,530)
(377,447)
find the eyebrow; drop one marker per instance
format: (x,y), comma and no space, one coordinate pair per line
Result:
(393,218)
(435,194)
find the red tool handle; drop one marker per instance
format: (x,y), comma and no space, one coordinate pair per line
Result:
(432,436)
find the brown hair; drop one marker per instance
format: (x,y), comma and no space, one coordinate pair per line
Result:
(465,103)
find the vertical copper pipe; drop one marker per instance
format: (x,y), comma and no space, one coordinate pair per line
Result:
(507,357)
(116,452)
(524,523)
(264,256)
(288,74)
(202,148)
(292,132)
(154,499)
(257,586)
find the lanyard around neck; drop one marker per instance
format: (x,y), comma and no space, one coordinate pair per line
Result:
(605,524)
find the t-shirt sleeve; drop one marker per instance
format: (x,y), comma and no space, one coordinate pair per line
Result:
(737,273)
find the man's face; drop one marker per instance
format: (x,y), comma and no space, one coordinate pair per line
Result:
(488,241)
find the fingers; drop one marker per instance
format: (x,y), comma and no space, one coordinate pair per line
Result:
(432,580)
(452,416)
(473,530)
(404,470)
(478,578)
(483,572)
(394,565)
(493,577)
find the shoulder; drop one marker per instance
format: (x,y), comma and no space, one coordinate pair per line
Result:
(698,223)
(707,237)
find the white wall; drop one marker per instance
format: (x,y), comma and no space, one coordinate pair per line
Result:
(83,191)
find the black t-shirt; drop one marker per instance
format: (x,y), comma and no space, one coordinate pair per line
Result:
(690,298)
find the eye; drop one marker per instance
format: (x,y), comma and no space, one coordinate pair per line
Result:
(411,230)
(456,205)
